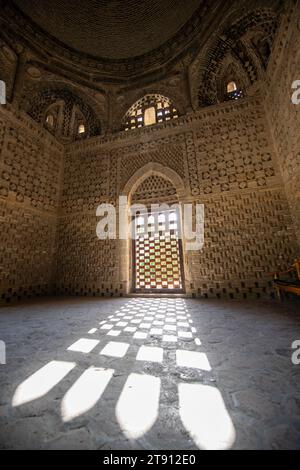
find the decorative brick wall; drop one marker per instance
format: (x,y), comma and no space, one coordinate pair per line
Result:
(240,159)
(284,116)
(153,189)
(226,159)
(247,235)
(85,264)
(31,166)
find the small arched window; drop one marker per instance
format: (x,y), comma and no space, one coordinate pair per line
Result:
(81,129)
(50,120)
(231,86)
(149,110)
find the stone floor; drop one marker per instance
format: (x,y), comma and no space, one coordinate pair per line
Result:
(150,373)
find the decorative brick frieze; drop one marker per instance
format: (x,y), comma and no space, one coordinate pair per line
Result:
(31,171)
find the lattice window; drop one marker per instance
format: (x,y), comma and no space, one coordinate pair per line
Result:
(149,110)
(157,252)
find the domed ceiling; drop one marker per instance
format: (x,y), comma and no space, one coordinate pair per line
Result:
(112,29)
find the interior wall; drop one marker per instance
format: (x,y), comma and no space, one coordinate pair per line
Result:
(152,184)
(223,154)
(31,171)
(283,114)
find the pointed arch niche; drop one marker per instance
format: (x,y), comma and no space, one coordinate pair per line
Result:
(152,183)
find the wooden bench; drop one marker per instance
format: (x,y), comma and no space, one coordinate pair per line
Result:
(290,285)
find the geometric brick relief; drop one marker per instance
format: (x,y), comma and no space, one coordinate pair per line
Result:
(119,55)
(223,155)
(90,264)
(192,164)
(234,154)
(285,127)
(247,235)
(31,169)
(228,172)
(113,176)
(2,133)
(238,53)
(154,189)
(27,260)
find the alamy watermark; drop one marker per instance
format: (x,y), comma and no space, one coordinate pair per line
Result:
(2,92)
(121,222)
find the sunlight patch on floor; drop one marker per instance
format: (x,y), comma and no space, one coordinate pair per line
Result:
(84,345)
(194,359)
(115,349)
(150,354)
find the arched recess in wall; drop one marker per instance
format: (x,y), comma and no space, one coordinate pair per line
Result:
(146,185)
(63,112)
(238,52)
